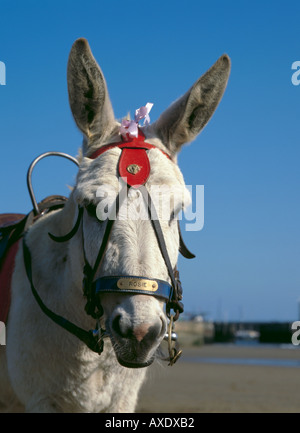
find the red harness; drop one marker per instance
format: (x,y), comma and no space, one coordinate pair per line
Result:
(134,164)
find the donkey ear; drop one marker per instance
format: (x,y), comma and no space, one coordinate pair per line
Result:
(185,118)
(88,95)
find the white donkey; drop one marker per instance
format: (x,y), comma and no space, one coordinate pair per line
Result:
(45,368)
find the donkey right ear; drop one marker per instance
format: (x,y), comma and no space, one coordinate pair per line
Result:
(88,95)
(185,118)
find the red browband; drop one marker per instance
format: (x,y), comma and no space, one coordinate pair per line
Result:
(134,164)
(134,142)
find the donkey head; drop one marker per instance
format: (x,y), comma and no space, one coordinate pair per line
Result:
(135,322)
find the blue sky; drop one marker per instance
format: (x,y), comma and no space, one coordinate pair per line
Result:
(247,158)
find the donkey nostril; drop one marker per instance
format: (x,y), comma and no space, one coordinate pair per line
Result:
(121,328)
(116,324)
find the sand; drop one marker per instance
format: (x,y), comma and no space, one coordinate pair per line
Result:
(205,387)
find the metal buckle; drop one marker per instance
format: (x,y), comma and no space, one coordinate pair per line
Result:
(174,352)
(99,335)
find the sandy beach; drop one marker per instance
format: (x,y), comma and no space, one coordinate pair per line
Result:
(218,378)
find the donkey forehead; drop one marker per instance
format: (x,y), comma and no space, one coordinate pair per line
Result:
(103,171)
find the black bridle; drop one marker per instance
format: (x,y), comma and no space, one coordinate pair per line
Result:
(171,294)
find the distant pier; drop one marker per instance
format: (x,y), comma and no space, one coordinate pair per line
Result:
(265,332)
(206,332)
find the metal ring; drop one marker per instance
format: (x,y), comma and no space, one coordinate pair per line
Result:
(29,174)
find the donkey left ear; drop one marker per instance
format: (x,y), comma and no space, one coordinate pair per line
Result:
(185,118)
(88,95)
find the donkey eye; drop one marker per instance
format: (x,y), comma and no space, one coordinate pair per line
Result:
(91,210)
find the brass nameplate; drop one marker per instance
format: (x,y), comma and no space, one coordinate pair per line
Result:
(137,284)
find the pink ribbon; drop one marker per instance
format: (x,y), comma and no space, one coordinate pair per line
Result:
(130,127)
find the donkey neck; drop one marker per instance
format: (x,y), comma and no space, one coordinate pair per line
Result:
(58,267)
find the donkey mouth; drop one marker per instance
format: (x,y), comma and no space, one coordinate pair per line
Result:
(131,357)
(131,364)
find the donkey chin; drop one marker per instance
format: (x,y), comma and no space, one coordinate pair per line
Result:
(135,341)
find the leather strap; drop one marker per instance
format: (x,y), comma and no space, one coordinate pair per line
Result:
(90,272)
(134,142)
(158,232)
(69,235)
(183,249)
(176,295)
(110,284)
(86,337)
